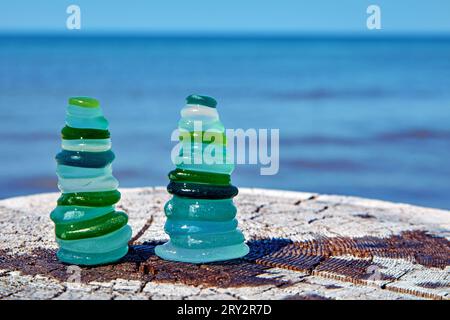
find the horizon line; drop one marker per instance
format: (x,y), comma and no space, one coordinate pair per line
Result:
(369,34)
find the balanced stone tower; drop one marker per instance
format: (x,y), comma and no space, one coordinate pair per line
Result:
(201,216)
(88,229)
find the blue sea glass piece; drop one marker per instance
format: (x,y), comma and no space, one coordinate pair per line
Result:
(85,159)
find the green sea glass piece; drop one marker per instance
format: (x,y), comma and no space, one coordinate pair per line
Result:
(86,102)
(90,199)
(69,133)
(92,228)
(88,229)
(180,175)
(225,168)
(201,216)
(203,137)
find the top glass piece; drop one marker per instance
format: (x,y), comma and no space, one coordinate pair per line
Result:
(201,100)
(85,102)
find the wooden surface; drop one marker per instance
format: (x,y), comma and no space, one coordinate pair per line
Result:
(303,246)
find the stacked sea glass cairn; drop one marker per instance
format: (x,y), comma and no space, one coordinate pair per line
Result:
(88,229)
(201,216)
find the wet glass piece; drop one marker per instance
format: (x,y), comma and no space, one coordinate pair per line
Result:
(202,191)
(85,159)
(91,228)
(69,133)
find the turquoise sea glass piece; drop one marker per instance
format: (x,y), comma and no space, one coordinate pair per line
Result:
(68,172)
(97,184)
(97,250)
(201,217)
(179,208)
(89,231)
(83,117)
(87,145)
(188,125)
(71,214)
(189,227)
(196,99)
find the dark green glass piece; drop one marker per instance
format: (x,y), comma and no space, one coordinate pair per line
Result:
(180,175)
(92,228)
(85,159)
(201,100)
(85,102)
(69,133)
(200,136)
(201,191)
(89,199)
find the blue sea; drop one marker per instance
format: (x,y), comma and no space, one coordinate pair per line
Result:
(357,116)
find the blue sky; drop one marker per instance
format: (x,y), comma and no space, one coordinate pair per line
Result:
(252,16)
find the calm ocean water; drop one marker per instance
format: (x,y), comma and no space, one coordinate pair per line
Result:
(357,117)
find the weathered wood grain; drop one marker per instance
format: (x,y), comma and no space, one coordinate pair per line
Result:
(304,246)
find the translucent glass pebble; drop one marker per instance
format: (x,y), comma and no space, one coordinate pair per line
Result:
(88,229)
(201,216)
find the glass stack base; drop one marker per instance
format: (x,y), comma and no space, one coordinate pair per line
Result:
(95,251)
(91,259)
(168,251)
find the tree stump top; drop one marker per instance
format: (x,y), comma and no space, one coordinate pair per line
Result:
(303,246)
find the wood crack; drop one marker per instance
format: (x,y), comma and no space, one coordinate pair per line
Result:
(141,232)
(298,202)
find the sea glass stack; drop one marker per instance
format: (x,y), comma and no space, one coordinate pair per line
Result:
(201,216)
(89,231)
